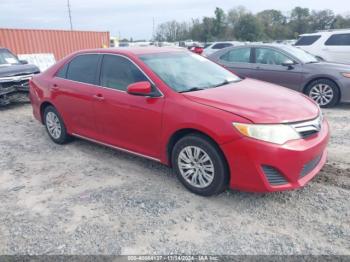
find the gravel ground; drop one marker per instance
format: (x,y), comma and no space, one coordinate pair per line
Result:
(83,198)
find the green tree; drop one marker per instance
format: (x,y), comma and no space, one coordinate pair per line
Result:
(321,20)
(300,21)
(248,28)
(233,16)
(208,24)
(341,22)
(239,23)
(219,23)
(273,23)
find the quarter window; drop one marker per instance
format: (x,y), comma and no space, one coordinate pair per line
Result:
(307,40)
(339,39)
(118,72)
(269,56)
(62,73)
(240,55)
(83,68)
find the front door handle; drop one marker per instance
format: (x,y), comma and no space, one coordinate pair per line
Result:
(55,87)
(99,97)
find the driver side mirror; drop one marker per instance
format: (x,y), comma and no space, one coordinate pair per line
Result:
(288,63)
(143,88)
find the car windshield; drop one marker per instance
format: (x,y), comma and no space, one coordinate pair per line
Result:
(185,72)
(302,55)
(7,58)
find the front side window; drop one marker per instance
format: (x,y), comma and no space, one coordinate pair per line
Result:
(83,68)
(339,39)
(221,45)
(7,58)
(239,55)
(307,40)
(269,56)
(185,71)
(118,72)
(300,54)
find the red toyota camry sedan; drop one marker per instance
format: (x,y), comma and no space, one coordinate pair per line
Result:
(173,106)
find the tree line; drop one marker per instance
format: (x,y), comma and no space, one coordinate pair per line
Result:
(241,24)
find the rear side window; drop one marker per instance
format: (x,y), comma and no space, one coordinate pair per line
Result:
(118,72)
(221,45)
(307,40)
(338,39)
(239,55)
(83,68)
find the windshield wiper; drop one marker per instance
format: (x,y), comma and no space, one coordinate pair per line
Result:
(192,89)
(226,82)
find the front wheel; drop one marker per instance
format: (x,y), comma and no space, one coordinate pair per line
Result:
(200,165)
(324,92)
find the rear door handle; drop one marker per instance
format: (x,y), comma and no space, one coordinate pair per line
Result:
(99,97)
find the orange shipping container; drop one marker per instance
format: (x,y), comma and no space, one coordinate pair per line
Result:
(58,42)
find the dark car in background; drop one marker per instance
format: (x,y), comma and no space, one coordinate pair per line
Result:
(288,66)
(14,77)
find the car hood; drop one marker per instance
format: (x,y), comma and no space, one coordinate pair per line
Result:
(329,67)
(14,70)
(258,101)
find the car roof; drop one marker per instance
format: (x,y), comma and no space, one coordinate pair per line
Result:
(134,50)
(259,45)
(224,42)
(328,32)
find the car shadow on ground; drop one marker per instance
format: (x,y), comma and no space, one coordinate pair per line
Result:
(343,106)
(162,171)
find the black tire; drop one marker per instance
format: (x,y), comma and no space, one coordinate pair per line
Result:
(221,173)
(63,137)
(336,94)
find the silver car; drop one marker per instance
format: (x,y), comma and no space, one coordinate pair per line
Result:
(326,83)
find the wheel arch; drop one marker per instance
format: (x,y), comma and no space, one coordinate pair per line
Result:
(319,78)
(43,106)
(329,78)
(177,135)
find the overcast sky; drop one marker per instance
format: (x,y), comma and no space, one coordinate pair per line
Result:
(133,18)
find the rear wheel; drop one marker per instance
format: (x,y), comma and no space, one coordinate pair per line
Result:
(324,92)
(55,126)
(200,165)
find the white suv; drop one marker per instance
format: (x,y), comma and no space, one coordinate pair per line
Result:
(216,46)
(331,45)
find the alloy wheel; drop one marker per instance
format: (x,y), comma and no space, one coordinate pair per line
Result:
(196,166)
(53,125)
(321,94)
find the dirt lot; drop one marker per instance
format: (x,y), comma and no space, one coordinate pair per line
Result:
(82,198)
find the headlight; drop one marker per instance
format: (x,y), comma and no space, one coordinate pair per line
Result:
(346,74)
(274,133)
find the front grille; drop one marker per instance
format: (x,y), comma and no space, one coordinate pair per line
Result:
(274,177)
(20,85)
(309,166)
(308,128)
(308,133)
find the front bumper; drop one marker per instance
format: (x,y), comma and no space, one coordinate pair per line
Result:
(11,91)
(297,162)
